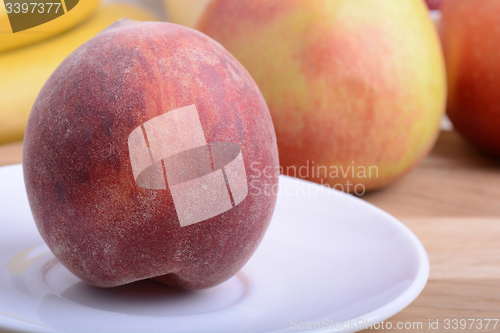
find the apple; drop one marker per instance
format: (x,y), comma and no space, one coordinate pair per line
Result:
(144,157)
(434,4)
(470,33)
(356,88)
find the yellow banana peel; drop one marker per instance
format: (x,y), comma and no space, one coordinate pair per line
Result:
(10,40)
(23,72)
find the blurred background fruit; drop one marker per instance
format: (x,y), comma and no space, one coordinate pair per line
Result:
(9,40)
(470,32)
(185,12)
(433,4)
(351,84)
(25,70)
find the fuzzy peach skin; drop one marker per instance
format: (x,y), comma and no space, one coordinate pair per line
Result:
(470,32)
(88,208)
(351,84)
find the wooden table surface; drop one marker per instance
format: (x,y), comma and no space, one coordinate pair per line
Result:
(451,201)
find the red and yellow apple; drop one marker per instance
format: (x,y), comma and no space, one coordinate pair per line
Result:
(470,33)
(356,88)
(83,154)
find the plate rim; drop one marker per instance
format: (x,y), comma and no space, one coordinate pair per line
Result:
(379,314)
(413,290)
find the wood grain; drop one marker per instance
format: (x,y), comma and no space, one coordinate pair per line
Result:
(460,248)
(451,201)
(450,299)
(455,180)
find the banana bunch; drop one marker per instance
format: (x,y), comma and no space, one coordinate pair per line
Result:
(23,71)
(71,18)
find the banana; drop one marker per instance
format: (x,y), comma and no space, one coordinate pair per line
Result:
(10,40)
(23,72)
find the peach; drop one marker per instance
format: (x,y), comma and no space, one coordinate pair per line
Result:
(141,156)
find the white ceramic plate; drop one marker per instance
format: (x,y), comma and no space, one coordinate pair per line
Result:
(328,260)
